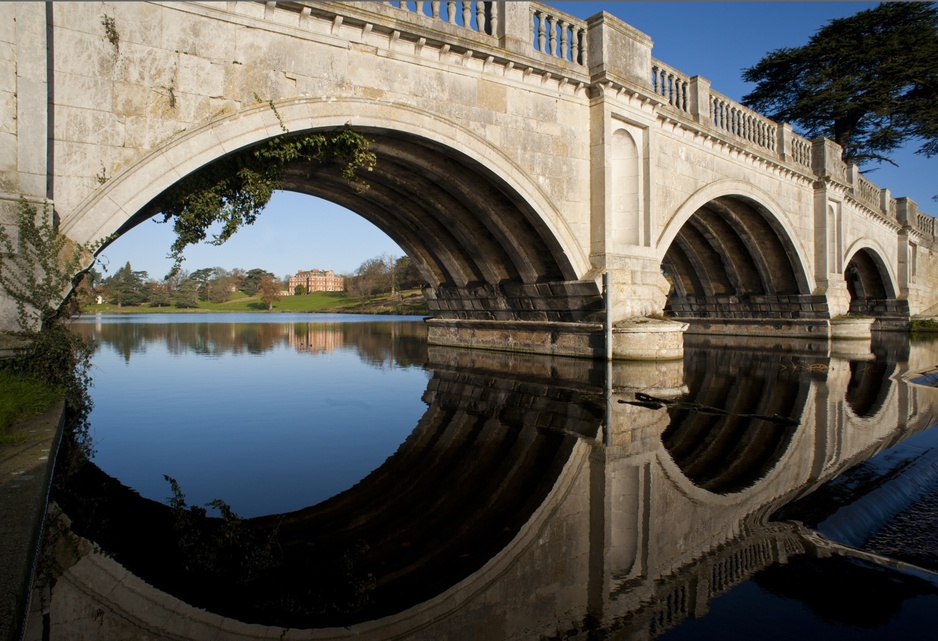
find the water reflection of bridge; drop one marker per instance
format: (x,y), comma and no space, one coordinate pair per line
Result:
(637,523)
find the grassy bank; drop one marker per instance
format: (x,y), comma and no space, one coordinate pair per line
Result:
(409,302)
(20,398)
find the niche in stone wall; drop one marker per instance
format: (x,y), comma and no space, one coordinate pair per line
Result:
(627,226)
(835,238)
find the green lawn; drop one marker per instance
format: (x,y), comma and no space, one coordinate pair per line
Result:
(20,398)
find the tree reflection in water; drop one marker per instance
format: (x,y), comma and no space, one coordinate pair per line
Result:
(533,500)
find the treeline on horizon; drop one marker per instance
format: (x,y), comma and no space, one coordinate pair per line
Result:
(128,287)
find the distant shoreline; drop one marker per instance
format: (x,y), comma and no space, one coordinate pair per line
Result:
(409,303)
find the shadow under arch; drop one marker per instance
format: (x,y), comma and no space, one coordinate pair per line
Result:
(731,258)
(485,236)
(872,289)
(731,430)
(503,442)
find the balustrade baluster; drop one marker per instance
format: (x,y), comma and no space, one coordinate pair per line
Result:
(552,32)
(480,17)
(451,11)
(564,41)
(419,8)
(491,18)
(581,47)
(542,33)
(467,14)
(435,9)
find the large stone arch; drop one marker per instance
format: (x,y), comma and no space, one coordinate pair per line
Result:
(733,257)
(486,237)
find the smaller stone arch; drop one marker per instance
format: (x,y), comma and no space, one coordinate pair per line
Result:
(872,287)
(735,263)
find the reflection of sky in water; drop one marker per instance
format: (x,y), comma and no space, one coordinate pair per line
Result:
(266,433)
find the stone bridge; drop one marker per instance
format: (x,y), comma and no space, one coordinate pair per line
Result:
(556,184)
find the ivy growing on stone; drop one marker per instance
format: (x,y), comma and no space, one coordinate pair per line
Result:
(39,269)
(39,266)
(232,191)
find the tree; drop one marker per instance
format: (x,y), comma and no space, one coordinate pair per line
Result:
(407,274)
(300,290)
(868,82)
(157,293)
(252,279)
(372,277)
(187,295)
(219,286)
(125,287)
(269,290)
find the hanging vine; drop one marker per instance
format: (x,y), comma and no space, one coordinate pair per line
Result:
(232,191)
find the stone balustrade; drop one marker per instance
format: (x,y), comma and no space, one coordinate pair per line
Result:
(548,44)
(558,34)
(742,122)
(671,85)
(475,16)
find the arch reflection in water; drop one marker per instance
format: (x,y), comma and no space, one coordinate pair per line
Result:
(545,501)
(269,412)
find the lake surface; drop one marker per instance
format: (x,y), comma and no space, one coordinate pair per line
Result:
(385,488)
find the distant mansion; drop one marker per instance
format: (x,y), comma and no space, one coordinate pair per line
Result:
(316,280)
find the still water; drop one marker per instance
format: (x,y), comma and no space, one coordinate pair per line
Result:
(387,489)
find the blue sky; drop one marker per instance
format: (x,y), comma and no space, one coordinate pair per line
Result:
(715,40)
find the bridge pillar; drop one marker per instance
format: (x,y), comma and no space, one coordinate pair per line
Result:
(828,248)
(24,120)
(621,142)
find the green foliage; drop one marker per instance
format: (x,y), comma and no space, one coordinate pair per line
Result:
(126,286)
(868,82)
(188,295)
(38,268)
(252,279)
(406,274)
(110,30)
(924,324)
(223,548)
(232,191)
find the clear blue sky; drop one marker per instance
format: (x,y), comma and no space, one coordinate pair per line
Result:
(715,40)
